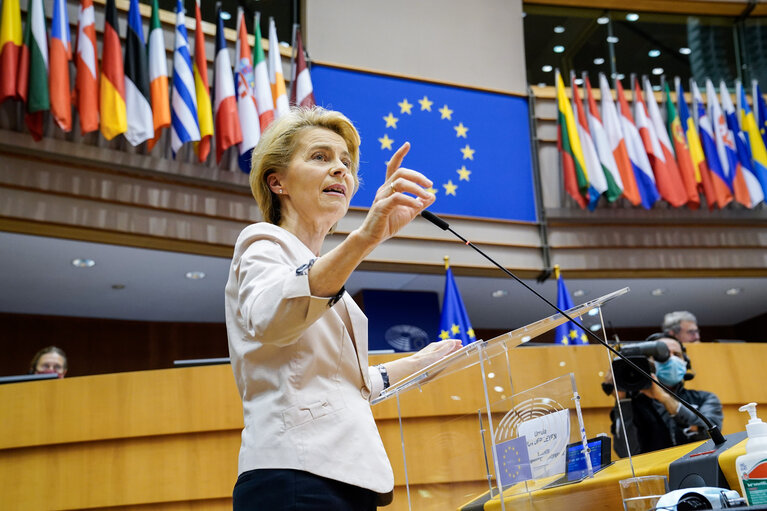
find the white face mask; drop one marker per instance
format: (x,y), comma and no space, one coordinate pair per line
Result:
(671,371)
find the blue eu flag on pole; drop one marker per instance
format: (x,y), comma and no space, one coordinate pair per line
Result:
(513,461)
(566,333)
(454,323)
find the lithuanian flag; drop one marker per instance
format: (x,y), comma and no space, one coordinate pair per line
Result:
(569,144)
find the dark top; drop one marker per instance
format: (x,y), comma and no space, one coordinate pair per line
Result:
(650,427)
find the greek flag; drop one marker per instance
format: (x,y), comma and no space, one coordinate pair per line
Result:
(183,114)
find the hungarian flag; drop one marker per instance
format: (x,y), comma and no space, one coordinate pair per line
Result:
(158,77)
(33,69)
(202,89)
(138,104)
(669,183)
(686,166)
(87,65)
(112,85)
(569,145)
(616,139)
(301,90)
(700,167)
(276,78)
(708,141)
(594,171)
(61,54)
(10,48)
(246,103)
(635,147)
(225,105)
(263,90)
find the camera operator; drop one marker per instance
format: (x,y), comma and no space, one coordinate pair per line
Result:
(654,419)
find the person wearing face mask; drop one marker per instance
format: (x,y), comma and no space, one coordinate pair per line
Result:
(653,418)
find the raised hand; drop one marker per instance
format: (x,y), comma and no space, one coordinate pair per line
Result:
(399,199)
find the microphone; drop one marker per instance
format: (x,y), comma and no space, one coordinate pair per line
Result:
(711,428)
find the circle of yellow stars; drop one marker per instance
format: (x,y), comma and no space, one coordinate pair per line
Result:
(455,331)
(461,131)
(573,335)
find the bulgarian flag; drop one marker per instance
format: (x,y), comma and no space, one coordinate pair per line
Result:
(573,165)
(263,90)
(158,77)
(202,89)
(61,54)
(10,48)
(114,120)
(87,65)
(33,69)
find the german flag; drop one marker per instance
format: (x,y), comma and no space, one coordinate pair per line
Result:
(112,86)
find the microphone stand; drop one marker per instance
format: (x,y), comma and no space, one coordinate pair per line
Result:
(711,428)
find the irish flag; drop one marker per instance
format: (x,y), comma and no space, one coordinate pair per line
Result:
(158,77)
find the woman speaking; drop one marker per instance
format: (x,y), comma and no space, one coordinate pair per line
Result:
(298,342)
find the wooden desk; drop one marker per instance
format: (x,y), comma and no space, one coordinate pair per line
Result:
(168,439)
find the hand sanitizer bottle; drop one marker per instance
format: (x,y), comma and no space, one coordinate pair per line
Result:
(752,466)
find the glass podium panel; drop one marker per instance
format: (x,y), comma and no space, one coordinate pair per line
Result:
(473,436)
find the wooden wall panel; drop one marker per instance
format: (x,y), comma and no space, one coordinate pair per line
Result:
(168,439)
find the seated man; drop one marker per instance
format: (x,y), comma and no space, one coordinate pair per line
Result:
(653,418)
(681,325)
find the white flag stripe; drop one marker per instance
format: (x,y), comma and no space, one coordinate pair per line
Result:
(38,29)
(655,117)
(158,64)
(85,49)
(140,125)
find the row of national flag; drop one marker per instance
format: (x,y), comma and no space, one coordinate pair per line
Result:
(716,155)
(132,95)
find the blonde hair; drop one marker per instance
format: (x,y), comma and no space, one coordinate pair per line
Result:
(278,143)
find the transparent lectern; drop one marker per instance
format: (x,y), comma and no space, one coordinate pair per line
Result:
(497,434)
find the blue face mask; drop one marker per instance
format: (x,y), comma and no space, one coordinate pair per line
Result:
(671,371)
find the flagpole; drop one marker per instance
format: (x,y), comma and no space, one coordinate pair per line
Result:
(447,262)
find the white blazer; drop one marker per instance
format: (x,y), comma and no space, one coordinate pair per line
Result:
(301,367)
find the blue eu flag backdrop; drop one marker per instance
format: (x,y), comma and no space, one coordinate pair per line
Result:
(474,145)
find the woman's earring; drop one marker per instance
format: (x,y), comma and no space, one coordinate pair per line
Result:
(280,191)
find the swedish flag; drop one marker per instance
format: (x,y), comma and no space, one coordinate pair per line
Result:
(566,333)
(454,323)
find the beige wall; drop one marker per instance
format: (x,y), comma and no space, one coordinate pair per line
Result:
(479,43)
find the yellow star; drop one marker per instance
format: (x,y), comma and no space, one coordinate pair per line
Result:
(444,335)
(446,113)
(450,188)
(573,334)
(565,340)
(391,121)
(584,338)
(455,329)
(463,173)
(470,333)
(404,106)
(431,190)
(460,130)
(468,153)
(386,142)
(425,103)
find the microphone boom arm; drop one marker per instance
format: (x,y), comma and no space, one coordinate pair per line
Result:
(711,428)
